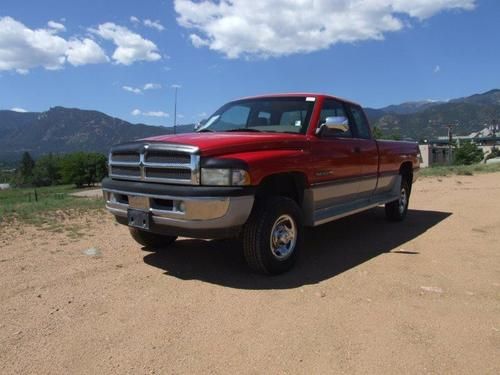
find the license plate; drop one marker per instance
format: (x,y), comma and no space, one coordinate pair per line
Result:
(138,219)
(138,202)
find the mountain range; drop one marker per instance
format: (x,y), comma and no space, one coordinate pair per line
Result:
(429,119)
(61,130)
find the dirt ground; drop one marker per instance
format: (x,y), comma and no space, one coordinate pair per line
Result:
(367,296)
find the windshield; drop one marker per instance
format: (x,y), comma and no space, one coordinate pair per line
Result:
(278,115)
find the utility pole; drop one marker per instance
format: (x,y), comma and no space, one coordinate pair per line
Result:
(450,144)
(495,128)
(175,87)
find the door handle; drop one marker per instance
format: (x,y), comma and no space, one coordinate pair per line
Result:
(357,150)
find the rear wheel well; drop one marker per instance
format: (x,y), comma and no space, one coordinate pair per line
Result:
(406,171)
(290,185)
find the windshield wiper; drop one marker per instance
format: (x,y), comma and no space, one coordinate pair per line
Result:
(243,130)
(206,130)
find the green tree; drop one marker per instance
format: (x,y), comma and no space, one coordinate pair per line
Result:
(377,133)
(24,175)
(468,153)
(47,171)
(82,168)
(396,136)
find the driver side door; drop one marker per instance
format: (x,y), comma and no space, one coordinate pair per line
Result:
(335,161)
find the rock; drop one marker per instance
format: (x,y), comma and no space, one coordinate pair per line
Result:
(432,289)
(92,252)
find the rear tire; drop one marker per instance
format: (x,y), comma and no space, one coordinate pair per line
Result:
(396,211)
(151,240)
(272,236)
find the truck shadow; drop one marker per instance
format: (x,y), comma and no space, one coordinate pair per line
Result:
(328,251)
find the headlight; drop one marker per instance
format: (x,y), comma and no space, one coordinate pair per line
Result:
(224,177)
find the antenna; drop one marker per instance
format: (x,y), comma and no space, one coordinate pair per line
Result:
(175,87)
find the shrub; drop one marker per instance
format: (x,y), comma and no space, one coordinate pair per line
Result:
(495,153)
(468,154)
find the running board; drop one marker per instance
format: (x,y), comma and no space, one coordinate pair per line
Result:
(327,214)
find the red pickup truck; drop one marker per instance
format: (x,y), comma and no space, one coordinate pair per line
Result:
(261,169)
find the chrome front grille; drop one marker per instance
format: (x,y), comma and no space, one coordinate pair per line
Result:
(126,157)
(155,162)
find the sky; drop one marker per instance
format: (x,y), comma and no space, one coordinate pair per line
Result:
(127,58)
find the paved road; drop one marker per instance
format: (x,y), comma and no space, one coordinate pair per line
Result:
(367,296)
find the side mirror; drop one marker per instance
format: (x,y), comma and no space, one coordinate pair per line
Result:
(200,124)
(336,125)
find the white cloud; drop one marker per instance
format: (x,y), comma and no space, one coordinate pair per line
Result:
(18,109)
(152,86)
(437,69)
(146,87)
(138,112)
(154,24)
(156,114)
(56,26)
(131,47)
(86,51)
(22,48)
(134,90)
(266,28)
(198,42)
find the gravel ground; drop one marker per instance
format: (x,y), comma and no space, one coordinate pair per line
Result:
(88,193)
(367,296)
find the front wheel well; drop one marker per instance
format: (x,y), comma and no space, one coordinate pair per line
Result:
(290,185)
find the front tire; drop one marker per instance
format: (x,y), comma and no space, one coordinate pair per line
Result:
(396,210)
(151,240)
(272,236)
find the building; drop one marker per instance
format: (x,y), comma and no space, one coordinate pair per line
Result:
(434,155)
(438,151)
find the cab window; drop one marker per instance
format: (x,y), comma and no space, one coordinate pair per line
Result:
(334,108)
(235,117)
(360,122)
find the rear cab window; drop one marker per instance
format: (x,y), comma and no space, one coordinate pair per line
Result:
(360,122)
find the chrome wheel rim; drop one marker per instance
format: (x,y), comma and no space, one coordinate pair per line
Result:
(283,237)
(403,200)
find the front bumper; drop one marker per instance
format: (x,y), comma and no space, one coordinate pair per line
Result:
(187,212)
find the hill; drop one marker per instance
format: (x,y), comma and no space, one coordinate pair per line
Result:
(62,130)
(430,120)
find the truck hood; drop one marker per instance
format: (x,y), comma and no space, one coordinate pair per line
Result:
(212,144)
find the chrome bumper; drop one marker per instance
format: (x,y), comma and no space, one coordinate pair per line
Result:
(193,213)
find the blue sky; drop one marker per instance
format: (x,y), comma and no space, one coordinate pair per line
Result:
(123,59)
